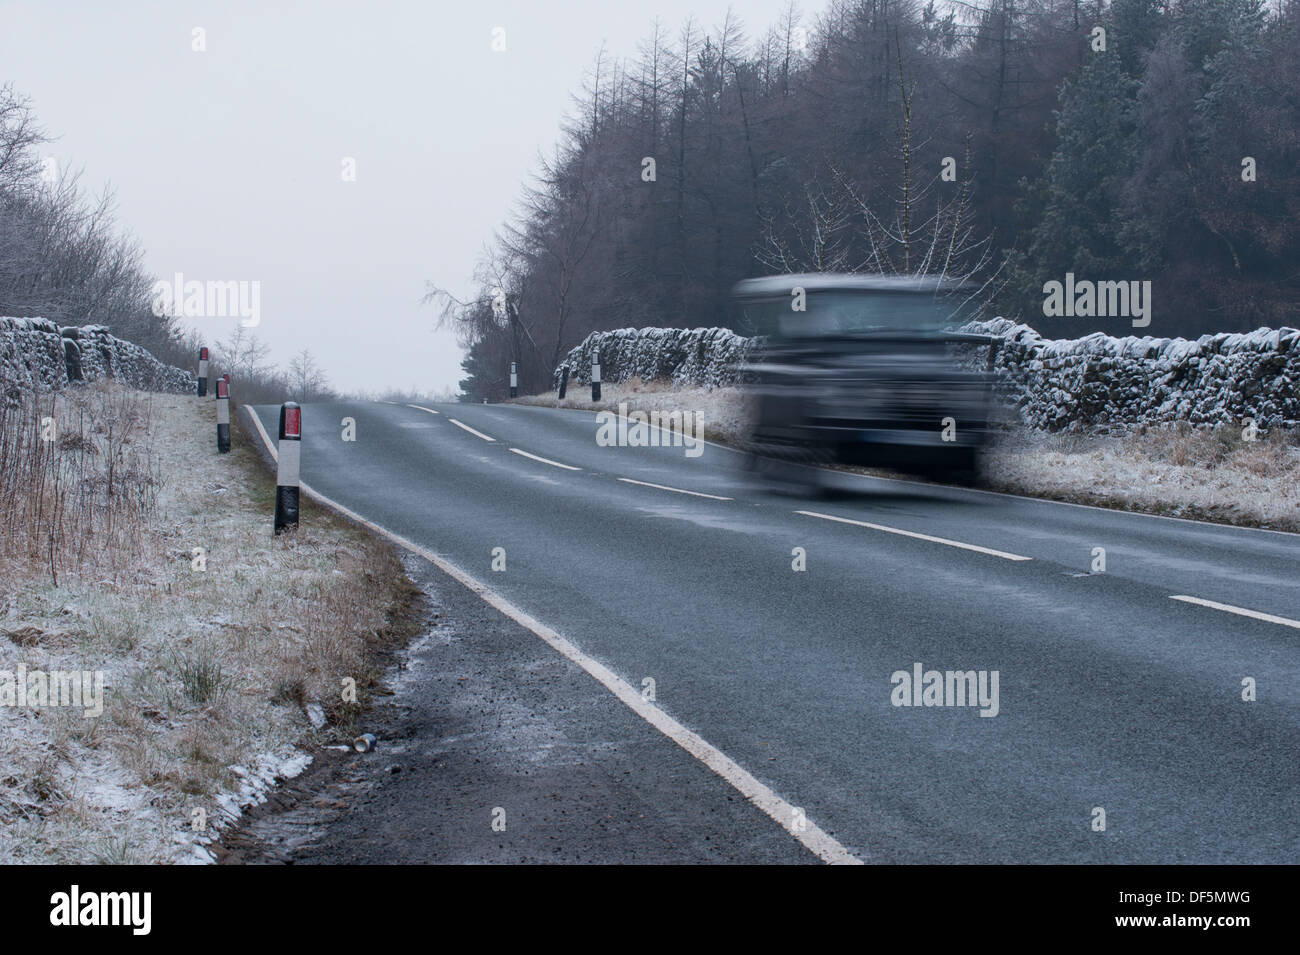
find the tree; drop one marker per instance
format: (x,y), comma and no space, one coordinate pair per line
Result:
(307,380)
(243,354)
(1082,228)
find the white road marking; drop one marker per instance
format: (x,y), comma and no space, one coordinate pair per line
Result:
(422,408)
(1241,611)
(470,430)
(783,812)
(554,464)
(925,537)
(677,490)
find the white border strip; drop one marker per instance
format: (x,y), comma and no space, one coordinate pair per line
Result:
(554,464)
(423,408)
(466,427)
(1240,611)
(925,537)
(676,490)
(784,813)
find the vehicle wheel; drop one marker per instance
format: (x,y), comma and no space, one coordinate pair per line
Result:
(964,468)
(785,469)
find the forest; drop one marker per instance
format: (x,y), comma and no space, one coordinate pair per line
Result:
(1003,142)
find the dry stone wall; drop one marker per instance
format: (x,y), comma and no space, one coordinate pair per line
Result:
(1096,382)
(37,355)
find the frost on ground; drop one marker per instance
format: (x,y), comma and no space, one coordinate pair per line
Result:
(1172,469)
(724,410)
(1175,470)
(210,658)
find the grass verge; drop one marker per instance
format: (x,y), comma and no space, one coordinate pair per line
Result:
(215,639)
(1174,470)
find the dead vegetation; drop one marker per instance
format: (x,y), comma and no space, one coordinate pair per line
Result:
(78,482)
(1213,474)
(131,547)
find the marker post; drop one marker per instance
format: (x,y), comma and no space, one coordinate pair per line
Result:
(288,456)
(203,373)
(223,415)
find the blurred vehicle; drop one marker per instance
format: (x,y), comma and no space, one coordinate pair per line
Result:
(865,374)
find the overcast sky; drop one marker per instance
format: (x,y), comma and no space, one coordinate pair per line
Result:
(227,163)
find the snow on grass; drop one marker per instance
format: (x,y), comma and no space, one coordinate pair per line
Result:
(1172,469)
(725,411)
(207,672)
(1210,475)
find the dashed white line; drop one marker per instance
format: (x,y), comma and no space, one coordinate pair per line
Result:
(925,537)
(466,427)
(554,464)
(676,490)
(784,813)
(423,408)
(1240,611)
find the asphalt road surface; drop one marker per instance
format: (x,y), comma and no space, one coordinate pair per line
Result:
(1111,695)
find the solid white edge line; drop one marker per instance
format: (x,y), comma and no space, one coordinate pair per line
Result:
(1240,611)
(422,408)
(925,537)
(676,490)
(660,428)
(461,424)
(554,464)
(782,812)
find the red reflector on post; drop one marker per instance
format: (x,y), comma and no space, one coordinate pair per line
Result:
(203,354)
(293,422)
(223,388)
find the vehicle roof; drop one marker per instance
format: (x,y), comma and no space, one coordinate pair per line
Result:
(773,285)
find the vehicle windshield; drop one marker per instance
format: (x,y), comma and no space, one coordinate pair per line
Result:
(850,312)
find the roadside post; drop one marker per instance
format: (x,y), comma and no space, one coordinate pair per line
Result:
(203,373)
(223,415)
(288,456)
(564,381)
(595,378)
(514,381)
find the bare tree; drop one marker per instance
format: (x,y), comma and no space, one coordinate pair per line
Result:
(307,381)
(19,139)
(810,234)
(244,355)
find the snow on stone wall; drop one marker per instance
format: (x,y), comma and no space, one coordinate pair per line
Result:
(1095,381)
(38,355)
(1099,381)
(703,357)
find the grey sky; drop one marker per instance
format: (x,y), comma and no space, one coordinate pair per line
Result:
(227,163)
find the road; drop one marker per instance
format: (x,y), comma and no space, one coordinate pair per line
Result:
(1111,694)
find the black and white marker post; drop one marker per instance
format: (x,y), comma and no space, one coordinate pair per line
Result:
(514,381)
(223,415)
(564,381)
(595,378)
(203,373)
(288,454)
